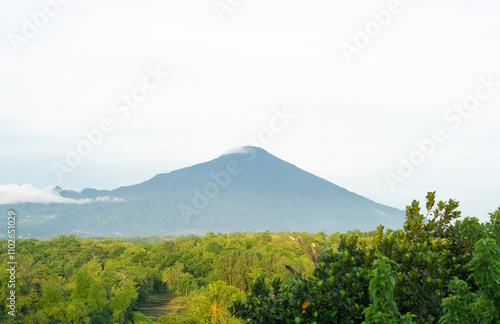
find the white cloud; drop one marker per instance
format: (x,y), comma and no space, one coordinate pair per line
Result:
(227,77)
(109,199)
(15,194)
(239,150)
(74,190)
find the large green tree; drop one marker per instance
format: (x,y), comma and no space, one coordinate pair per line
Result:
(211,303)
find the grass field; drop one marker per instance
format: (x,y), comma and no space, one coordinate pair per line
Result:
(156,305)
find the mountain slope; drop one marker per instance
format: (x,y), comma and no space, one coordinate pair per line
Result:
(244,190)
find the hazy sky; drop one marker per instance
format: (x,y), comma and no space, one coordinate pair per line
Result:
(174,83)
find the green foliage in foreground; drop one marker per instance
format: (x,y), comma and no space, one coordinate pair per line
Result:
(208,305)
(482,305)
(435,269)
(429,271)
(383,307)
(68,279)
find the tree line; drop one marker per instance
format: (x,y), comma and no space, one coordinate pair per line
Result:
(68,279)
(438,268)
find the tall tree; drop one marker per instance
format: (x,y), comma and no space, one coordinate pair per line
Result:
(213,302)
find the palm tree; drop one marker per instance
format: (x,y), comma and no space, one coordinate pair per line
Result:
(168,278)
(214,300)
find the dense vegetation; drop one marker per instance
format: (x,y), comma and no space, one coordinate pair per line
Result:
(436,268)
(69,279)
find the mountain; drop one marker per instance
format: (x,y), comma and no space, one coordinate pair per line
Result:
(246,189)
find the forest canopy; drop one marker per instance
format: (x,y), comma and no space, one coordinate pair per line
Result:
(439,268)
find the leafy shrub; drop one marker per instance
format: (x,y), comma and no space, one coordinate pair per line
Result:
(407,271)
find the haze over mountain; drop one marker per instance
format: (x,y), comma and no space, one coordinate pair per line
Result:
(246,189)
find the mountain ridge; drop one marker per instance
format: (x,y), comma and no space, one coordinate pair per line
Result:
(247,189)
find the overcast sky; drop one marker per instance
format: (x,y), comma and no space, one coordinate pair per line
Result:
(365,82)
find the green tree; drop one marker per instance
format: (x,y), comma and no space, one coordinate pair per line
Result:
(123,295)
(482,306)
(383,307)
(212,303)
(426,255)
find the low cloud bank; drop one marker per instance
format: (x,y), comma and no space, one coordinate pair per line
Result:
(15,194)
